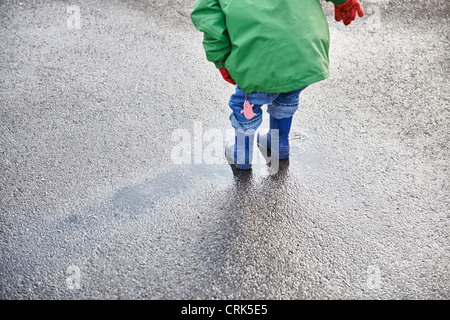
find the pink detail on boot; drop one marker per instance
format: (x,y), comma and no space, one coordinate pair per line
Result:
(248,110)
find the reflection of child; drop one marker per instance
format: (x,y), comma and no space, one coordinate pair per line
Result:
(272,49)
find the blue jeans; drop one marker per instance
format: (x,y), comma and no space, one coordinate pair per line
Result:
(280,106)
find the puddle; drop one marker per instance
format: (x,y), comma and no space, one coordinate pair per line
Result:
(147,194)
(305,154)
(182,179)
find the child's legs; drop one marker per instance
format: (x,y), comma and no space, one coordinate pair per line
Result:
(285,105)
(238,120)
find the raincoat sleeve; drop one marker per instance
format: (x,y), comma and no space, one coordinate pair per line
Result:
(208,17)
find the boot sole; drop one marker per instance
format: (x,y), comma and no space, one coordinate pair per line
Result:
(282,156)
(233,161)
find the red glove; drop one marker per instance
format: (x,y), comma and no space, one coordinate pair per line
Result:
(226,75)
(347,11)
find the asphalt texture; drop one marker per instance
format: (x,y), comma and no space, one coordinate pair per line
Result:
(95,97)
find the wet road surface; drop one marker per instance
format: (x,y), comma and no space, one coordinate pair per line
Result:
(95,204)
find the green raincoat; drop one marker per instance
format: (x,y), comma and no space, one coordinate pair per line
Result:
(266,45)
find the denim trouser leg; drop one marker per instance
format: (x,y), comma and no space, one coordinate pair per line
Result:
(280,106)
(238,120)
(285,105)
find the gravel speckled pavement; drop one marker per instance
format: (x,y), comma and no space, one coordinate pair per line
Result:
(95,97)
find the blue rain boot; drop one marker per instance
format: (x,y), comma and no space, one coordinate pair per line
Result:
(264,141)
(240,152)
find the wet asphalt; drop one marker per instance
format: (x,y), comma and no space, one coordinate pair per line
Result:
(96,101)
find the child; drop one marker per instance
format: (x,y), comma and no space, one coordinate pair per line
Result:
(272,49)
